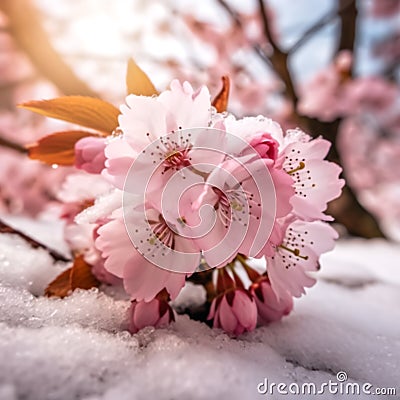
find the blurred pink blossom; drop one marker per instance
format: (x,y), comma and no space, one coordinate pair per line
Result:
(385,8)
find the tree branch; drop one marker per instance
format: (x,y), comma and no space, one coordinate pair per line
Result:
(326,19)
(267,29)
(12,145)
(5,228)
(346,210)
(348,16)
(26,28)
(279,59)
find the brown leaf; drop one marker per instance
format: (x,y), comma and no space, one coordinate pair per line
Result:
(86,111)
(61,286)
(57,148)
(78,276)
(220,101)
(137,81)
(81,276)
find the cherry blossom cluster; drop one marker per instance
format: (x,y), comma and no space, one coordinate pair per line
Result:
(180,190)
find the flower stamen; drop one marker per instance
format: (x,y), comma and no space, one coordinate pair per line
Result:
(299,168)
(295,251)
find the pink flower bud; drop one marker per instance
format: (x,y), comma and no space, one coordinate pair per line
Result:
(157,313)
(89,154)
(269,307)
(265,145)
(235,312)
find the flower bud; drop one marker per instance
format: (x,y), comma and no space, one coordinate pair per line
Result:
(268,306)
(234,311)
(89,154)
(265,145)
(156,312)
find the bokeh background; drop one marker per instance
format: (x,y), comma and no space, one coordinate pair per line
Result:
(329,67)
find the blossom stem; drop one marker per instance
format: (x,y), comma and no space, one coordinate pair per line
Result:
(251,273)
(12,145)
(236,277)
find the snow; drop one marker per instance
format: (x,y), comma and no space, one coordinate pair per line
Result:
(78,347)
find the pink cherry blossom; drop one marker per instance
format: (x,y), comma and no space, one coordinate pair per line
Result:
(89,154)
(242,195)
(145,119)
(156,312)
(298,254)
(323,97)
(269,307)
(315,180)
(248,127)
(370,95)
(235,312)
(142,279)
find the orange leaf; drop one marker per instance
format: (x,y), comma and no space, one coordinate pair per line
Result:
(59,287)
(137,81)
(220,101)
(57,148)
(78,276)
(86,111)
(81,275)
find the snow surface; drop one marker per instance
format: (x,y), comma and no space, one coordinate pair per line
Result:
(78,348)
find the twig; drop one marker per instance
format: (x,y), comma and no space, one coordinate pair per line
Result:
(267,29)
(390,70)
(12,145)
(238,22)
(348,15)
(326,19)
(4,228)
(279,59)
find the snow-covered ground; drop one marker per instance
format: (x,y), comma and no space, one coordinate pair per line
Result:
(78,348)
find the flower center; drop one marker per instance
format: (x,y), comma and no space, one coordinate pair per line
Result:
(161,233)
(176,159)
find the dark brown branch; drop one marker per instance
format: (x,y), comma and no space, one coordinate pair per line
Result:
(12,145)
(348,16)
(266,26)
(346,210)
(279,59)
(4,228)
(26,28)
